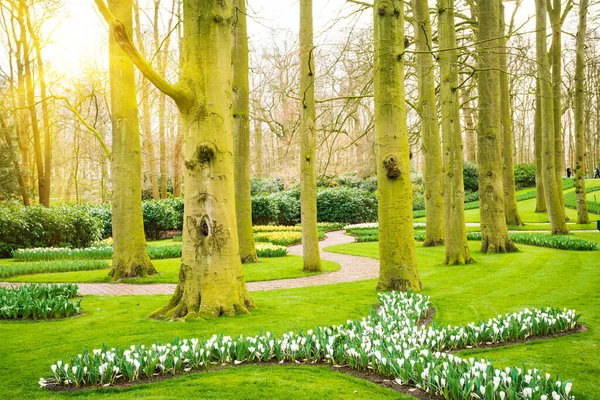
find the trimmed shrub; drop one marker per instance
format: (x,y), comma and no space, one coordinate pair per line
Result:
(470,176)
(37,226)
(524,175)
(264,210)
(288,206)
(346,205)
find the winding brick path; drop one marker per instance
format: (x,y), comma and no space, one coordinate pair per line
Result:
(352,269)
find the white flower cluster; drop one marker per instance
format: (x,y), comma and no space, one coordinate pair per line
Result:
(389,342)
(374,225)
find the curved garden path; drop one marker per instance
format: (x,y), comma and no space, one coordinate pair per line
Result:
(352,268)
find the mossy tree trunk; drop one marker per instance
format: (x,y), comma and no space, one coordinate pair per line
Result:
(130,256)
(582,208)
(510,198)
(551,188)
(457,249)
(241,134)
(308,142)
(211,278)
(556,19)
(538,136)
(397,253)
(489,134)
(432,172)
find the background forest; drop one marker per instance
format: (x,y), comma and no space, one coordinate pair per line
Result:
(56,118)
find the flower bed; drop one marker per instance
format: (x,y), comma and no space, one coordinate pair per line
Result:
(275,228)
(562,242)
(37,301)
(268,250)
(101,252)
(283,238)
(6,271)
(593,206)
(388,341)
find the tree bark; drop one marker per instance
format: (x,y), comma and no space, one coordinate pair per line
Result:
(45,112)
(489,144)
(538,132)
(397,253)
(556,19)
(551,188)
(582,208)
(457,249)
(241,134)
(30,92)
(432,171)
(258,148)
(130,255)
(510,198)
(308,139)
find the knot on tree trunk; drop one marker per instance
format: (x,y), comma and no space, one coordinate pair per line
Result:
(203,155)
(391,166)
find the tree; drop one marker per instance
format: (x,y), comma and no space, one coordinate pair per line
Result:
(397,253)
(491,191)
(241,134)
(551,189)
(557,18)
(540,200)
(457,249)
(582,208)
(211,278)
(130,256)
(432,175)
(510,199)
(308,133)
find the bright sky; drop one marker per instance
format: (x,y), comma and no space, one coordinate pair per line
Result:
(79,34)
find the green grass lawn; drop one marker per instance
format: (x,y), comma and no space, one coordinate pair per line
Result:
(168,272)
(29,348)
(503,283)
(546,227)
(527,210)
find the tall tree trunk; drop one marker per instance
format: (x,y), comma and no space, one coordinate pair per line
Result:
(582,208)
(130,255)
(258,148)
(457,249)
(510,198)
(45,112)
(241,134)
(556,19)
(397,253)
(178,158)
(551,188)
(489,145)
(146,108)
(308,142)
(470,127)
(30,91)
(538,132)
(432,172)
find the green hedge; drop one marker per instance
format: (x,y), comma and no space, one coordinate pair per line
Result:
(38,226)
(524,175)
